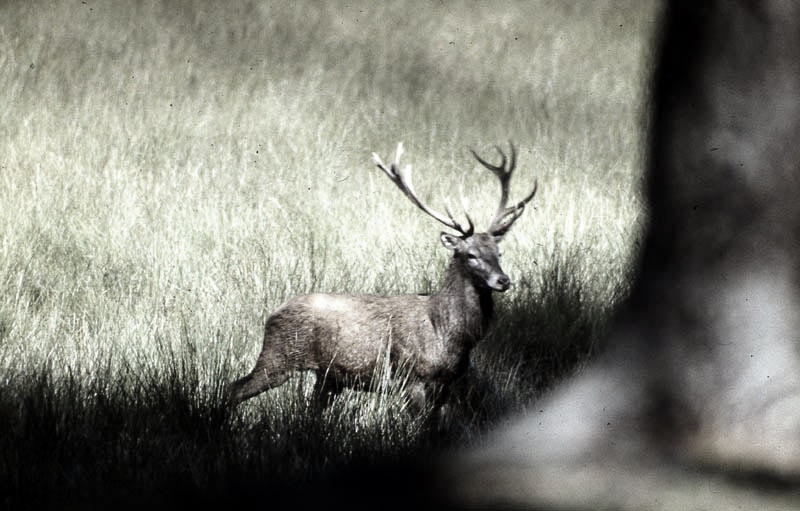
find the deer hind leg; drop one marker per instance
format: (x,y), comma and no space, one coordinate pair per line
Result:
(270,371)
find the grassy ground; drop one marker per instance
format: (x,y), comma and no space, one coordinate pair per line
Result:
(170,172)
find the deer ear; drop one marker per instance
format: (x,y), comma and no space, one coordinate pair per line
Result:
(451,242)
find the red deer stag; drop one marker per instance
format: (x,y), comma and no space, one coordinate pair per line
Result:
(342,336)
(696,401)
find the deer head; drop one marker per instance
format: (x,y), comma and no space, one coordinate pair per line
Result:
(478,253)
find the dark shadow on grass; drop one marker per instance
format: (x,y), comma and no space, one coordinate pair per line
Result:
(156,441)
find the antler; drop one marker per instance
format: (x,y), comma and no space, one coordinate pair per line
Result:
(401,176)
(505,216)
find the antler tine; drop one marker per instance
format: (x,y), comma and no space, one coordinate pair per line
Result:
(401,176)
(505,216)
(465,232)
(500,171)
(503,221)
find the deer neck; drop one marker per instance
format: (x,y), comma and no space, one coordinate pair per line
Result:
(461,310)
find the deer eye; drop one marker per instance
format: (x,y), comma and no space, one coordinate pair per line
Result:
(471,256)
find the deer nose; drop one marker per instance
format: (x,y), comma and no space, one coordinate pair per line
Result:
(503,283)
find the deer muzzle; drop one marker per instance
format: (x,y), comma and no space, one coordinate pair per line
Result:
(500,282)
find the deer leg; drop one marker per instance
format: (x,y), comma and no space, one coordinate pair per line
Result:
(268,373)
(417,396)
(431,399)
(326,389)
(442,410)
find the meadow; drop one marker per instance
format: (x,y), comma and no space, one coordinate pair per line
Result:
(171,172)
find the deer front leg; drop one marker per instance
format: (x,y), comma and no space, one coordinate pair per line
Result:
(326,388)
(417,396)
(432,397)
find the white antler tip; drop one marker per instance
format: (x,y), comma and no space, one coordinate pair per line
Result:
(399,152)
(377,160)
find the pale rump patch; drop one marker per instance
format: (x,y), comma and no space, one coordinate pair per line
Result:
(331,302)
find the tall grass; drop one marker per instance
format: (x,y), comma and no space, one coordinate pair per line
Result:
(170,172)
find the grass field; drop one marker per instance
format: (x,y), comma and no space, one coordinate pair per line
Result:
(170,172)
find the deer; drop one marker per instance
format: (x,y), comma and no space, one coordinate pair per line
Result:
(343,337)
